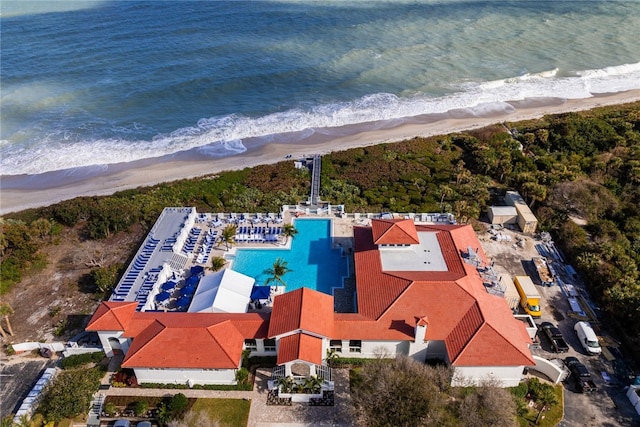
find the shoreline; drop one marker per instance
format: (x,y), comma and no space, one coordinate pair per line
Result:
(33,191)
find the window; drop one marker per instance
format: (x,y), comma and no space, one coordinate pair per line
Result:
(269,345)
(335,345)
(355,346)
(250,345)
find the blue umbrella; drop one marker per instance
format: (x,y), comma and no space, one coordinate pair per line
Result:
(163,296)
(168,286)
(192,280)
(183,302)
(187,291)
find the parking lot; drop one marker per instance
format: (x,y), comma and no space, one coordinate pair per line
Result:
(17,378)
(608,406)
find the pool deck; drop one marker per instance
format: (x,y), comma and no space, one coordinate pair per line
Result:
(342,236)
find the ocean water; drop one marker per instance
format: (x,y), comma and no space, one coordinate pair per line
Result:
(92,85)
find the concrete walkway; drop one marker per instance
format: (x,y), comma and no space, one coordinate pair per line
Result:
(261,415)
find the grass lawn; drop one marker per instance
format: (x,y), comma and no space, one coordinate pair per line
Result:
(230,412)
(551,417)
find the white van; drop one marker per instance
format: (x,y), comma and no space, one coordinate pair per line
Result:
(587,337)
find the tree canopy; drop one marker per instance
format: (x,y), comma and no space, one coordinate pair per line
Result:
(70,393)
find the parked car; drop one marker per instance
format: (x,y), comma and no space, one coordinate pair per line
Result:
(558,344)
(580,374)
(122,423)
(587,337)
(144,424)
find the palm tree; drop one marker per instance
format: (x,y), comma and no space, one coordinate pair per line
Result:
(288,230)
(276,272)
(5,311)
(3,333)
(228,235)
(446,192)
(217,263)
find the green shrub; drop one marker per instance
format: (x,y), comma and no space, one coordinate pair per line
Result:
(81,359)
(140,408)
(346,362)
(177,405)
(242,375)
(60,328)
(110,409)
(222,387)
(520,391)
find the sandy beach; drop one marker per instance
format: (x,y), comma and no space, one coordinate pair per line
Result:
(22,192)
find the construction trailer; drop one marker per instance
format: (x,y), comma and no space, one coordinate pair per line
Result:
(527,221)
(501,215)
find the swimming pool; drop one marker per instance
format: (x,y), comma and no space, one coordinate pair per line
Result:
(314,262)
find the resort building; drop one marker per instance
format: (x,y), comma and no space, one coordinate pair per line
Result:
(418,291)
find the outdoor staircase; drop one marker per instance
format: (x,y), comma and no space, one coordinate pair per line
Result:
(96,409)
(315,180)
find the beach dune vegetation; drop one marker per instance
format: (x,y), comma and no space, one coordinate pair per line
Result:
(582,166)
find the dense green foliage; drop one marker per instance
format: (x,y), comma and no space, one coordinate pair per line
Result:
(106,278)
(172,409)
(76,360)
(70,393)
(578,165)
(404,392)
(19,245)
(236,387)
(589,164)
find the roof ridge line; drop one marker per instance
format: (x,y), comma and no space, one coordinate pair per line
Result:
(148,341)
(410,282)
(482,323)
(224,350)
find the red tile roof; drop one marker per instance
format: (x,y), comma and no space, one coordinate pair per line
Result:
(394,232)
(300,347)
(422,321)
(375,289)
(489,347)
(250,325)
(181,340)
(302,310)
(462,333)
(161,345)
(112,316)
(459,308)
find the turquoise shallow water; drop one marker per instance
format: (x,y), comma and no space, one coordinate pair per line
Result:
(314,263)
(86,85)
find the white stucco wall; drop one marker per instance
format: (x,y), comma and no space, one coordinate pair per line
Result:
(371,349)
(182,376)
(509,376)
(106,345)
(260,351)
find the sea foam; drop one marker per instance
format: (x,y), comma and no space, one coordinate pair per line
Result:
(226,135)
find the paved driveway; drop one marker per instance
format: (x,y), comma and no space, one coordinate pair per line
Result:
(608,406)
(17,379)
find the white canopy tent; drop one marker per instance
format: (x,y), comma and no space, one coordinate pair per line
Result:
(225,291)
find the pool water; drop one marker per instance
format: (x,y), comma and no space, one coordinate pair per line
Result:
(314,263)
